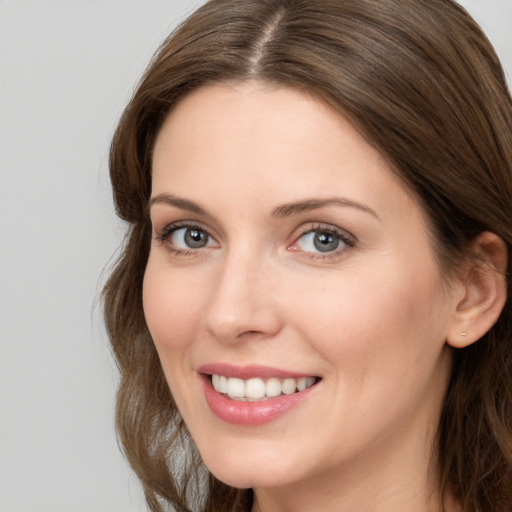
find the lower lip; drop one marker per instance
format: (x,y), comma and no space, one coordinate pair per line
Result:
(251,413)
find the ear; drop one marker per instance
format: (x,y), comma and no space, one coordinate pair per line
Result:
(484,291)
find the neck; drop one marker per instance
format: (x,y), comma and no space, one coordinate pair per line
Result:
(347,496)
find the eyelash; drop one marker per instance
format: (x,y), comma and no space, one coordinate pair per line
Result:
(167,232)
(344,237)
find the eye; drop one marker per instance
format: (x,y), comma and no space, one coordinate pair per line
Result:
(188,237)
(318,241)
(323,241)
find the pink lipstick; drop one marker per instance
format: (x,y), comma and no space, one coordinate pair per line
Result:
(253,395)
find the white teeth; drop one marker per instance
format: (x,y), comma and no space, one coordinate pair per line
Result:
(289,386)
(236,387)
(256,389)
(223,384)
(273,387)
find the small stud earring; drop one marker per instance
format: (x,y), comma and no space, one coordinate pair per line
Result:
(463,334)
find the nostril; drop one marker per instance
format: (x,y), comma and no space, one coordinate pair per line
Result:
(250,334)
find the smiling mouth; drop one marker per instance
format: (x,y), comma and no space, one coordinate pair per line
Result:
(257,389)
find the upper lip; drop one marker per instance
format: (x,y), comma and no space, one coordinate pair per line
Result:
(249,371)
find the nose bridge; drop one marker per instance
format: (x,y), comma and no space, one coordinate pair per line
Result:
(242,301)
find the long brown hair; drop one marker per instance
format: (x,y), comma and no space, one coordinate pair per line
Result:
(422,83)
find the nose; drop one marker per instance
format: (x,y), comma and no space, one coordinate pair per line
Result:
(243,304)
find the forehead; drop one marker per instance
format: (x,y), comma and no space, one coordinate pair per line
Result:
(261,142)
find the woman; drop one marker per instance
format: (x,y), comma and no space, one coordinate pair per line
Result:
(312,299)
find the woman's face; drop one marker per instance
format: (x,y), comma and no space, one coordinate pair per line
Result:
(290,266)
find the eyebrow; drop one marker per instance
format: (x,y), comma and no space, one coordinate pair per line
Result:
(307,205)
(177,202)
(281,211)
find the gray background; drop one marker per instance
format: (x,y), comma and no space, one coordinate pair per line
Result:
(66,70)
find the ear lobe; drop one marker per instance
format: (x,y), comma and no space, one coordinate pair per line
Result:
(485,291)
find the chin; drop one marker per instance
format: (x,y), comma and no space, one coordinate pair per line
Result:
(242,471)
(251,479)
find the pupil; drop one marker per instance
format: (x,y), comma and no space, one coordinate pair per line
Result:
(325,242)
(195,238)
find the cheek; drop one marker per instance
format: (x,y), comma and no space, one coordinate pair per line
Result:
(385,321)
(384,347)
(171,308)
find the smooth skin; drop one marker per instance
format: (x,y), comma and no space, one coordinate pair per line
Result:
(343,285)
